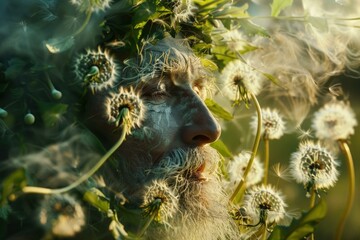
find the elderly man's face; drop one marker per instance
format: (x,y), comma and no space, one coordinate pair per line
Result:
(172,145)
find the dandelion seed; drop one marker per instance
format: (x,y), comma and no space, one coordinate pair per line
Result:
(281,171)
(61,215)
(264,204)
(91,5)
(96,69)
(334,121)
(273,125)
(237,166)
(182,9)
(313,166)
(160,200)
(125,98)
(240,80)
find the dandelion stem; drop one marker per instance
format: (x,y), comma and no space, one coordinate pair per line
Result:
(83,26)
(253,152)
(147,223)
(264,235)
(267,154)
(40,190)
(311,205)
(351,195)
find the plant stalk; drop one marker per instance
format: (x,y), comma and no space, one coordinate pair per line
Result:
(41,190)
(254,149)
(351,194)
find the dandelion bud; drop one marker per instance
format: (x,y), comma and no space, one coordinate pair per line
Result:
(273,125)
(3,113)
(61,215)
(96,69)
(334,121)
(125,98)
(313,166)
(160,200)
(264,204)
(29,119)
(56,94)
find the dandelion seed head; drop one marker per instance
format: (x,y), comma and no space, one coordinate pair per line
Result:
(334,121)
(273,125)
(91,5)
(125,98)
(234,40)
(61,215)
(264,203)
(237,166)
(160,198)
(96,69)
(240,80)
(313,166)
(182,9)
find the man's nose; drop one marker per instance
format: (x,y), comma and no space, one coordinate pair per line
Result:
(201,127)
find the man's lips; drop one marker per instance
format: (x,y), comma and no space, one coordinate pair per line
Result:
(199,173)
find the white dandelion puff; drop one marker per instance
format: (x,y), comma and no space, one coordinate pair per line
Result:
(273,125)
(334,121)
(182,9)
(240,80)
(96,69)
(264,204)
(160,200)
(234,40)
(91,5)
(314,166)
(61,215)
(237,166)
(125,98)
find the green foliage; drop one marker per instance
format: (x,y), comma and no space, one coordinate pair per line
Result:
(218,110)
(278,5)
(11,184)
(222,148)
(302,227)
(97,199)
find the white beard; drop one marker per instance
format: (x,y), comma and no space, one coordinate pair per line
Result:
(203,212)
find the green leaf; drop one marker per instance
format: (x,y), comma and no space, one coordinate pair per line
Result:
(278,5)
(143,12)
(302,227)
(218,110)
(253,29)
(209,64)
(97,199)
(272,78)
(221,148)
(14,182)
(232,12)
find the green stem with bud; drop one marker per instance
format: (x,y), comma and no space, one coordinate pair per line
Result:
(351,194)
(40,190)
(241,185)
